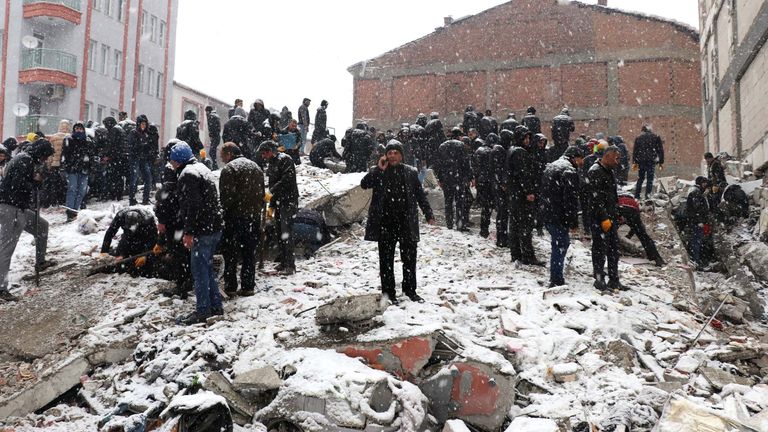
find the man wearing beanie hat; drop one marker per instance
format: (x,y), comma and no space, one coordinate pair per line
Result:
(16,193)
(393,218)
(523,184)
(202,224)
(604,209)
(560,194)
(284,200)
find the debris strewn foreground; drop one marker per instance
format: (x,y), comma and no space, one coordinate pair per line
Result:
(492,347)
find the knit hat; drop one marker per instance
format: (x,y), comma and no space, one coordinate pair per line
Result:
(573,152)
(394,145)
(181,152)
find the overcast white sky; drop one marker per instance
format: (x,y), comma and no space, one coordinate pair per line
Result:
(284,51)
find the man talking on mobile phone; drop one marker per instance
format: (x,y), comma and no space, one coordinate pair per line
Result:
(393,218)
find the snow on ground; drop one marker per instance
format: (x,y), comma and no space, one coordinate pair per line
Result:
(501,313)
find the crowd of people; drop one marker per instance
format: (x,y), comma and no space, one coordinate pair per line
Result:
(529,183)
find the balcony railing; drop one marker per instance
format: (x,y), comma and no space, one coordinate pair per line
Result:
(72,4)
(49,59)
(46,124)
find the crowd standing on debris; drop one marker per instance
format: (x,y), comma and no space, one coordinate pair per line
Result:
(530,182)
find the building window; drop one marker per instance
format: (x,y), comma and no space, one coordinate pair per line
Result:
(87,111)
(151,82)
(100,113)
(120,10)
(163,27)
(140,81)
(144,22)
(108,8)
(92,55)
(153,28)
(117,64)
(97,5)
(159,86)
(104,65)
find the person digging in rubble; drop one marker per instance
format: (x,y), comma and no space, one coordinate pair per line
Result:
(284,199)
(139,235)
(629,212)
(393,218)
(21,181)
(716,177)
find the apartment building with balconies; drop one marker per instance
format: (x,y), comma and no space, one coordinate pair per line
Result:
(85,60)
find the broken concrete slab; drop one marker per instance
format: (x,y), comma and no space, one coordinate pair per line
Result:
(343,208)
(242,410)
(719,378)
(404,357)
(51,385)
(530,424)
(477,393)
(681,414)
(345,310)
(112,353)
(687,364)
(621,354)
(565,372)
(259,379)
(455,426)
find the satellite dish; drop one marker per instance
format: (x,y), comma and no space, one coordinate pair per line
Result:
(20,109)
(30,41)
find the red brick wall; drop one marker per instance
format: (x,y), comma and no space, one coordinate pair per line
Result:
(512,38)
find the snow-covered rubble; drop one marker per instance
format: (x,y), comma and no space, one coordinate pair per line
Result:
(572,354)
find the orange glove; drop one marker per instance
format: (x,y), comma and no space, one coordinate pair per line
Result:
(635,167)
(606,225)
(157,250)
(270,213)
(140,261)
(267,196)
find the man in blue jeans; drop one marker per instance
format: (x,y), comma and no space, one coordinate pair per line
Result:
(560,194)
(648,151)
(202,220)
(143,152)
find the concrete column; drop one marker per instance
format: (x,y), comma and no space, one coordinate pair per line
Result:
(489,102)
(736,119)
(612,69)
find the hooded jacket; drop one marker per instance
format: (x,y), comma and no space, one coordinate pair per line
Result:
(189,132)
(198,199)
(242,189)
(140,143)
(78,153)
(560,193)
(17,186)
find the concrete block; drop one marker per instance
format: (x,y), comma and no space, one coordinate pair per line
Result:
(349,309)
(343,208)
(530,424)
(565,372)
(404,358)
(263,378)
(112,353)
(719,378)
(242,410)
(477,393)
(51,385)
(455,426)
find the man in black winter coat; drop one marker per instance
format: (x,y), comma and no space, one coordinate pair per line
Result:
(648,151)
(189,132)
(284,200)
(696,216)
(324,149)
(173,258)
(562,127)
(605,218)
(214,133)
(239,131)
(115,156)
(393,218)
(484,181)
(531,121)
(523,184)
(470,119)
(358,149)
(201,215)
(143,155)
(498,169)
(560,194)
(510,123)
(321,123)
(304,123)
(454,172)
(488,125)
(258,117)
(716,176)
(435,136)
(78,156)
(17,190)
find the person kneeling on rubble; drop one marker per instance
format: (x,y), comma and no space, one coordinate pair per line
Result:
(139,235)
(310,230)
(629,213)
(393,218)
(734,205)
(697,220)
(325,155)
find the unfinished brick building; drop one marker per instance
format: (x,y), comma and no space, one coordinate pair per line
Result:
(615,70)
